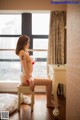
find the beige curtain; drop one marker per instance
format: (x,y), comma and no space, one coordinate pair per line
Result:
(57,38)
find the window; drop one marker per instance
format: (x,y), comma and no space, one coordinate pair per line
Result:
(40,24)
(10,30)
(40,32)
(11,27)
(8,42)
(10,24)
(40,44)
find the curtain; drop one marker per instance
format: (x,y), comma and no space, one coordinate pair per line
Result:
(57,38)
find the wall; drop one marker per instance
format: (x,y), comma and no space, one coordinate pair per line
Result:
(73,63)
(29,5)
(11,86)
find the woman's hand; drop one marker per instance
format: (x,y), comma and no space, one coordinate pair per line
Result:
(31,83)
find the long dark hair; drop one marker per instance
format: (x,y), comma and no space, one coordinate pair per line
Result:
(22,41)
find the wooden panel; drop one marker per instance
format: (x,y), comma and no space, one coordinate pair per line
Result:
(73,62)
(29,5)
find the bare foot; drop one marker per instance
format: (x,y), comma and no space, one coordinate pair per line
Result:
(57,106)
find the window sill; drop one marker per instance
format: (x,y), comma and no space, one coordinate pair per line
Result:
(8,81)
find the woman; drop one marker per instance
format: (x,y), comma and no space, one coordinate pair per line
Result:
(27,68)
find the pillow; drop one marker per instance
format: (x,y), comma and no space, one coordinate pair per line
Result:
(9,102)
(26,100)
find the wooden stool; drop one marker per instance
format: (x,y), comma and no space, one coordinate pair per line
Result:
(25,89)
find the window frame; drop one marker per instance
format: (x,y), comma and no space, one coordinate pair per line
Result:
(9,35)
(29,24)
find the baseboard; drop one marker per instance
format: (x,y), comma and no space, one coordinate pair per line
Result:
(11,86)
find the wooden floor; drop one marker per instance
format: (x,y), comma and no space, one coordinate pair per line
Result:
(41,112)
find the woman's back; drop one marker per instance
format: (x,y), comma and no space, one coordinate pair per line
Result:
(26,64)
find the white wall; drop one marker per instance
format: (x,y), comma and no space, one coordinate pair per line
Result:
(8,86)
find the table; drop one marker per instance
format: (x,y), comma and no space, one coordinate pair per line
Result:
(57,73)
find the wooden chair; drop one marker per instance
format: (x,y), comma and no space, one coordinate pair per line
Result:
(23,89)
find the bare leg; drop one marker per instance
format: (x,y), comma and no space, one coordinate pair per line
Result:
(48,84)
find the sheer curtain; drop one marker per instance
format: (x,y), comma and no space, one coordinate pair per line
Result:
(57,38)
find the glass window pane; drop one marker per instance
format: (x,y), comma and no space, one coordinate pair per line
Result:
(4,55)
(40,23)
(40,54)
(10,71)
(8,42)
(10,24)
(40,44)
(40,69)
